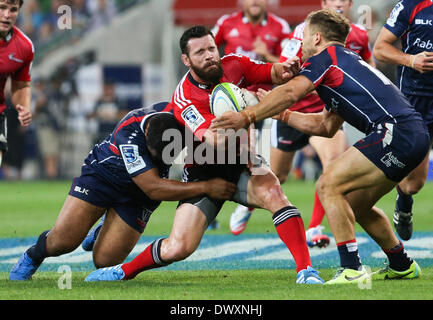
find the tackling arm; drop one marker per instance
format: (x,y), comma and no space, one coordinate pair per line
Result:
(278,100)
(324,124)
(159,189)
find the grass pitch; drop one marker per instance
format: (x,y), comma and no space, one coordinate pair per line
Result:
(28,208)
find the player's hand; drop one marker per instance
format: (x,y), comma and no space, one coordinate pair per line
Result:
(220,189)
(422,62)
(261,93)
(24,115)
(229,120)
(283,72)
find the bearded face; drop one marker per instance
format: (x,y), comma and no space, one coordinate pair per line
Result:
(211,72)
(203,60)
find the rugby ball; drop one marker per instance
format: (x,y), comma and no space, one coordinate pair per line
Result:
(226,97)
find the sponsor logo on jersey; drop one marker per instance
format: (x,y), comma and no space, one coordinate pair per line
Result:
(81,190)
(132,158)
(192,118)
(12,57)
(389,159)
(424,22)
(354,47)
(334,104)
(234,33)
(423,44)
(270,37)
(394,14)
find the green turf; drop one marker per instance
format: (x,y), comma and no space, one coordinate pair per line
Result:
(213,285)
(31,207)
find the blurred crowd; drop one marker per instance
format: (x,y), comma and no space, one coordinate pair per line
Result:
(39,18)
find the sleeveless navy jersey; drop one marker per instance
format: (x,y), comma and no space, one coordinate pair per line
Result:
(357,92)
(412,21)
(124,154)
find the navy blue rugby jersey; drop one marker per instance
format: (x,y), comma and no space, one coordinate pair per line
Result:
(357,92)
(412,22)
(124,154)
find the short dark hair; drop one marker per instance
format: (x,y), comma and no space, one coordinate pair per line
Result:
(20,2)
(332,25)
(192,33)
(157,125)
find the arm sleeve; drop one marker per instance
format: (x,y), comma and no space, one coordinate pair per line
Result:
(398,21)
(366,50)
(218,30)
(256,72)
(316,68)
(24,73)
(135,155)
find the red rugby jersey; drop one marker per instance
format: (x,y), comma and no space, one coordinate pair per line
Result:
(357,40)
(190,101)
(238,34)
(16,57)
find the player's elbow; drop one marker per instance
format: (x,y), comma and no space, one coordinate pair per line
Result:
(378,49)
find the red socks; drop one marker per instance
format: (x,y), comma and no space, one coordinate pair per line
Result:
(318,212)
(150,258)
(290,229)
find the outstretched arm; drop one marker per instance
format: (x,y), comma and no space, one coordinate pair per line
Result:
(159,189)
(278,100)
(324,124)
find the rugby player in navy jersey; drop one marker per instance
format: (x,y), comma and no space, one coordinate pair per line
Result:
(412,22)
(396,141)
(123,177)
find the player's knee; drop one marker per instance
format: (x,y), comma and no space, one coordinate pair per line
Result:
(323,187)
(178,250)
(413,187)
(272,197)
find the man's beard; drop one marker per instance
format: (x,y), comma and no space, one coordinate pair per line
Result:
(209,76)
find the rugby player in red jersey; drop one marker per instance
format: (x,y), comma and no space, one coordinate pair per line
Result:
(253,32)
(260,35)
(16,57)
(191,108)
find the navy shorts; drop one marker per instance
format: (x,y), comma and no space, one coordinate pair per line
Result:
(95,190)
(424,105)
(286,138)
(396,149)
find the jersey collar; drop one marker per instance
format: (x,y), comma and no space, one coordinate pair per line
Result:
(8,37)
(200,85)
